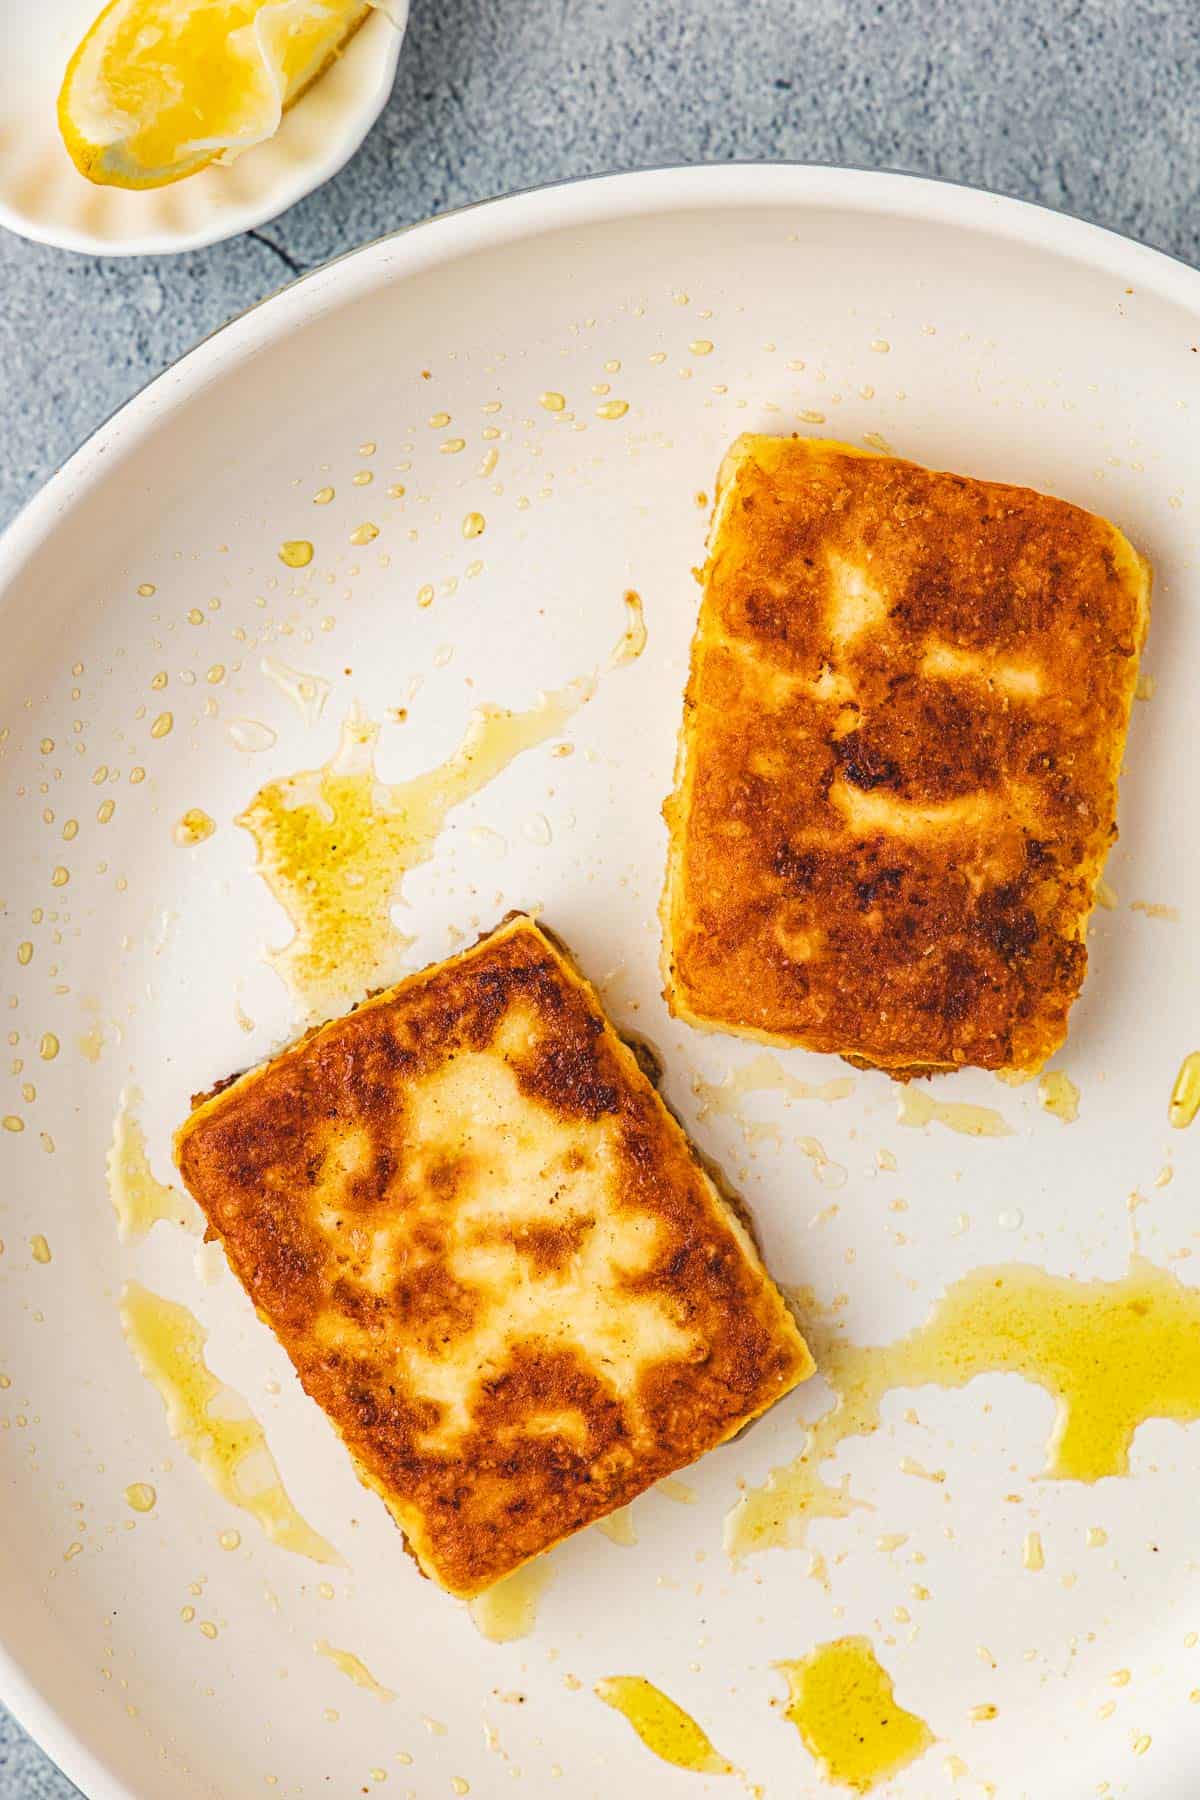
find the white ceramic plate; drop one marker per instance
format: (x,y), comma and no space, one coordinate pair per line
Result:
(970,332)
(43,195)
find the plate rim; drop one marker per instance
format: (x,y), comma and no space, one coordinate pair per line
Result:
(444,237)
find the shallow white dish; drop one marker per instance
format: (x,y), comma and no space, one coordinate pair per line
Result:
(970,332)
(43,195)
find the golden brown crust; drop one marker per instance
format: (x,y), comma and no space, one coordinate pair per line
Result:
(897,778)
(491,1255)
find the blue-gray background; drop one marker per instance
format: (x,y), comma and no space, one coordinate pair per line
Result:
(1086,105)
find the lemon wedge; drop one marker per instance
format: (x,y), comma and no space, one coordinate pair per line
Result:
(159,88)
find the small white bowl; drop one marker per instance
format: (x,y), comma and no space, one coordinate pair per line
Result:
(43,196)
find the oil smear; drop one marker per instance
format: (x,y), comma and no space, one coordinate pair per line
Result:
(619,1527)
(1058,1094)
(764,1073)
(335,843)
(662,1726)
(139,1198)
(842,1702)
(1185,1095)
(1112,1354)
(508,1610)
(632,641)
(211,1421)
(917,1106)
(354,1668)
(307,693)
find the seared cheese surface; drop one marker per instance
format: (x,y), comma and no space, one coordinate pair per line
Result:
(491,1255)
(897,777)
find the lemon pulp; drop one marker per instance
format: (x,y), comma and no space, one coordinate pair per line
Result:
(159,88)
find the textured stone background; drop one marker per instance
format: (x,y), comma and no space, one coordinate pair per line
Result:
(1087,105)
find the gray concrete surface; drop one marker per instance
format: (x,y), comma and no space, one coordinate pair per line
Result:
(1086,105)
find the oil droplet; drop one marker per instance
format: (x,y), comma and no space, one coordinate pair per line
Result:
(701,347)
(425,594)
(1096,1537)
(438,419)
(1111,1353)
(366,533)
(354,1667)
(397,491)
(60,877)
(917,1106)
(91,1044)
(810,417)
(230,1540)
(326,1590)
(147,589)
(297,553)
(1106,896)
(24,953)
(619,1527)
(162,725)
(363,478)
(141,1496)
(612,409)
(460,1786)
(72,1551)
(335,843)
(1058,1094)
(207,1629)
(1032,1554)
(662,1726)
(193,828)
(842,1702)
(1185,1095)
(880,346)
(509,1609)
(552,402)
(250,734)
(308,693)
(215,674)
(39,1249)
(13,1122)
(474,525)
(49,1047)
(452,446)
(980,1713)
(323,496)
(764,1073)
(632,641)
(211,1421)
